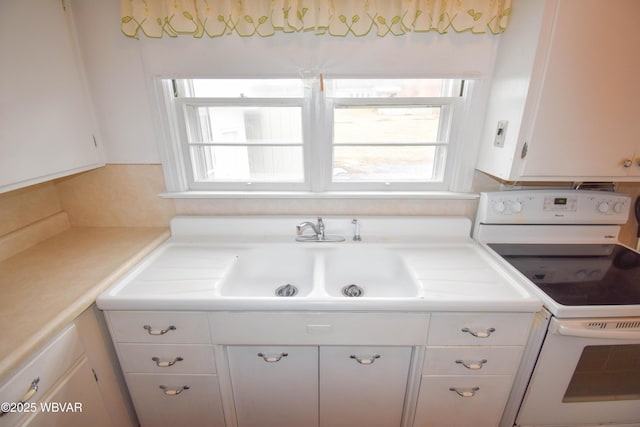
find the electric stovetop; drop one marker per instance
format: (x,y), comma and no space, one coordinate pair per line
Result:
(578,274)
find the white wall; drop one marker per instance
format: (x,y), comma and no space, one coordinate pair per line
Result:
(120,70)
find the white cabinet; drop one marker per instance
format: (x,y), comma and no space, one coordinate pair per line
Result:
(56,387)
(323,369)
(363,386)
(169,366)
(275,386)
(74,402)
(566,82)
(46,125)
(469,367)
(326,369)
(350,386)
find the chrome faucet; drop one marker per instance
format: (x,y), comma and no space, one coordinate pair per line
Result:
(318,230)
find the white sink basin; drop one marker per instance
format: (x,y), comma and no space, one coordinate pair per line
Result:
(260,272)
(372,271)
(303,271)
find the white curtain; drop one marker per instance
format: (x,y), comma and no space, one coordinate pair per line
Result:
(215,18)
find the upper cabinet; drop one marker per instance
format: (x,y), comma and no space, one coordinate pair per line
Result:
(46,123)
(564,99)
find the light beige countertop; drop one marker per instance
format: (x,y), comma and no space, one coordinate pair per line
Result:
(44,288)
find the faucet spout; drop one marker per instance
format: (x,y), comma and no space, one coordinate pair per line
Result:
(304,225)
(318,229)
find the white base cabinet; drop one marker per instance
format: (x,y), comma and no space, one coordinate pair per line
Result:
(470,363)
(351,386)
(74,402)
(275,386)
(363,386)
(66,384)
(169,365)
(319,369)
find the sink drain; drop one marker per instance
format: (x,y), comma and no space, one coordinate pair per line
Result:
(352,290)
(287,290)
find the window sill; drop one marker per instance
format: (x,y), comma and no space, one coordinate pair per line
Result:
(430,195)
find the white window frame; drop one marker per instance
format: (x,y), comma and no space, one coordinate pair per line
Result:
(317,127)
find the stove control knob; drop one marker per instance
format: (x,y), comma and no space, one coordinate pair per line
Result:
(617,208)
(595,274)
(603,207)
(581,274)
(516,207)
(499,207)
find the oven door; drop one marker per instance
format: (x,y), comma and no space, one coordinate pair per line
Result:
(588,373)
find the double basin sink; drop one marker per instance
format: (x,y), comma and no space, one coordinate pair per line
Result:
(302,271)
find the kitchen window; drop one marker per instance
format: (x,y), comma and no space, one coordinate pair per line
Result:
(315,135)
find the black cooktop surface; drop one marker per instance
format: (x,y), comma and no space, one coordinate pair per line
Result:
(578,274)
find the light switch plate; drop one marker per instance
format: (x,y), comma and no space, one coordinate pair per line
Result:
(501,131)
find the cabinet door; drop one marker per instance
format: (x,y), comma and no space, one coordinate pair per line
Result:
(363,386)
(46,126)
(462,401)
(587,120)
(74,402)
(275,386)
(176,400)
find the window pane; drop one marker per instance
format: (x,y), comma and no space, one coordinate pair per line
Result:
(240,88)
(384,163)
(386,124)
(388,88)
(247,163)
(244,125)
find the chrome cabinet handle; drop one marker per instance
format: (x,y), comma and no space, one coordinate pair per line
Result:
(627,163)
(365,360)
(479,333)
(173,392)
(33,389)
(272,359)
(465,392)
(160,332)
(474,366)
(166,364)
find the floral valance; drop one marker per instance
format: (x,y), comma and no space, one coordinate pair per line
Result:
(215,18)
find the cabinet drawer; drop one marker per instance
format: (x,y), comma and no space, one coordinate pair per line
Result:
(293,328)
(482,403)
(176,400)
(159,327)
(44,369)
(479,329)
(167,358)
(472,360)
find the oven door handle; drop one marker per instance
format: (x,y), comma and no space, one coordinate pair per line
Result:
(571,331)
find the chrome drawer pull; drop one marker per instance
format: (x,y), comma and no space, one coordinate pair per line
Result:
(160,332)
(465,392)
(33,389)
(474,366)
(173,392)
(272,359)
(167,364)
(364,360)
(480,333)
